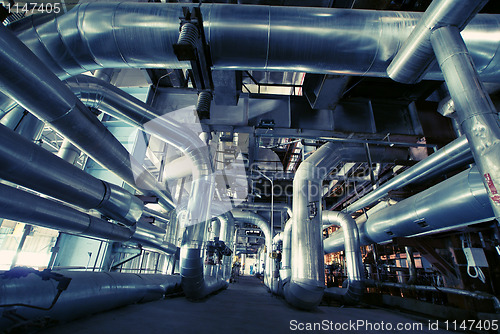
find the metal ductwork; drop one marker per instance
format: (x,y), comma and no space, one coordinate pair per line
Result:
(255,219)
(458,201)
(227,235)
(354,264)
(29,165)
(305,289)
(455,154)
(26,79)
(332,41)
(87,293)
(21,206)
(416,55)
(121,105)
(124,106)
(286,253)
(475,112)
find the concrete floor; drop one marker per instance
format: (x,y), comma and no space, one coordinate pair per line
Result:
(245,307)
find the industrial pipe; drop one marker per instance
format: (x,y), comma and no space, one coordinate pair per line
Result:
(475,111)
(458,201)
(416,55)
(355,285)
(455,153)
(87,293)
(332,41)
(26,79)
(21,206)
(475,295)
(29,165)
(305,289)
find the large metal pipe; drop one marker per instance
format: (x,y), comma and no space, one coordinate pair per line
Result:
(416,55)
(29,165)
(122,105)
(119,104)
(26,79)
(458,201)
(21,206)
(87,293)
(355,285)
(475,111)
(305,289)
(332,41)
(456,152)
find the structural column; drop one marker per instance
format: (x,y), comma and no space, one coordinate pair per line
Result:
(476,113)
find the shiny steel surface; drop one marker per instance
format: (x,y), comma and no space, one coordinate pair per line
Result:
(353,260)
(461,199)
(26,79)
(416,54)
(87,293)
(29,165)
(316,40)
(439,161)
(475,112)
(28,208)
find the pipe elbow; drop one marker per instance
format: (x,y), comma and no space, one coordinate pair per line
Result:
(348,296)
(304,295)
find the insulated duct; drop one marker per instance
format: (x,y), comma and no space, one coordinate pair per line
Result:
(21,206)
(475,112)
(255,219)
(26,79)
(119,104)
(456,153)
(354,263)
(460,200)
(416,55)
(29,165)
(305,289)
(87,293)
(332,41)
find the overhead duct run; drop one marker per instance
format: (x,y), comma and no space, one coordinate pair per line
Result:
(455,154)
(79,294)
(332,41)
(354,264)
(305,289)
(21,206)
(460,200)
(29,165)
(416,55)
(26,79)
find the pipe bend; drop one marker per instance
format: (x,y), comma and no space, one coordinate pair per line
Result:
(303,294)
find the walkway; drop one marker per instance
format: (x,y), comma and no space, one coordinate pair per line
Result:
(245,307)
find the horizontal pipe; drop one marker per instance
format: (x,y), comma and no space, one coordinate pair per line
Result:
(21,206)
(416,55)
(480,296)
(457,150)
(26,79)
(29,165)
(315,40)
(459,200)
(87,293)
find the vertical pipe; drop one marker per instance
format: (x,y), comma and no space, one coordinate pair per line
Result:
(475,111)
